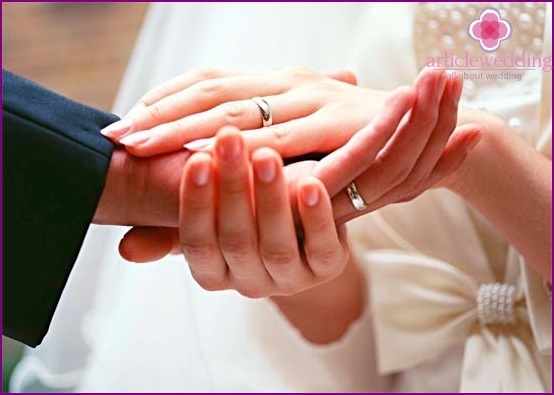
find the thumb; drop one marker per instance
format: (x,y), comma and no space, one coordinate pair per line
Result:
(147,243)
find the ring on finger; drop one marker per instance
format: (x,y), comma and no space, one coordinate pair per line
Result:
(265,109)
(355,197)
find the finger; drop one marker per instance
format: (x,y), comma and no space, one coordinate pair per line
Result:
(325,252)
(199,97)
(463,141)
(352,159)
(343,76)
(278,244)
(237,232)
(191,77)
(398,158)
(197,230)
(395,161)
(292,138)
(244,114)
(180,83)
(147,244)
(447,119)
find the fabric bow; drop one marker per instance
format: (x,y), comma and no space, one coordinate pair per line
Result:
(422,306)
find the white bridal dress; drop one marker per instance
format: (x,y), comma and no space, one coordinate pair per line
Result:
(452,305)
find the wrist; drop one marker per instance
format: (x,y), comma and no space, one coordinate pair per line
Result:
(324,313)
(470,174)
(108,212)
(141,191)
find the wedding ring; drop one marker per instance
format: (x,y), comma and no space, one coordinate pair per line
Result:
(355,197)
(267,119)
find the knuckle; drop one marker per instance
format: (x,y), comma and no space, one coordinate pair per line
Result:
(176,127)
(302,73)
(278,256)
(204,73)
(232,113)
(209,281)
(209,88)
(236,248)
(321,92)
(156,112)
(327,261)
(279,134)
(250,291)
(196,251)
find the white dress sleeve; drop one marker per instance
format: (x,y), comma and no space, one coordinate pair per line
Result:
(538,292)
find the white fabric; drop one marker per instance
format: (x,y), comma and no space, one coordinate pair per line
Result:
(151,328)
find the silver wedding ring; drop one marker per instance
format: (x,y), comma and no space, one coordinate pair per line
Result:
(267,119)
(355,197)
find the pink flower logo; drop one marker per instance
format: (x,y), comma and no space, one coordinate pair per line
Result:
(490,29)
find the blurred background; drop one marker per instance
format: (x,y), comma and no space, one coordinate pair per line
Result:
(77,49)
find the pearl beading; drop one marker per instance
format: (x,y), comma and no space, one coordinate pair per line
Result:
(495,304)
(441,28)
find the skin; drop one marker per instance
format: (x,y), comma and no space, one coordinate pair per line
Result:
(260,261)
(401,163)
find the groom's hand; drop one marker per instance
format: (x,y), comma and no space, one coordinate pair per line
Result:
(141,191)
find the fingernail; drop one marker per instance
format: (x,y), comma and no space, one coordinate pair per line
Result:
(266,170)
(457,90)
(310,194)
(201,172)
(136,139)
(118,128)
(230,149)
(199,144)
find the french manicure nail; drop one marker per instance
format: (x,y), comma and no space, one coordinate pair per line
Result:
(310,194)
(201,173)
(266,170)
(136,139)
(118,128)
(199,144)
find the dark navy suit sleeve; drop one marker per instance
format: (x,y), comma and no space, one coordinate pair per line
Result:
(54,167)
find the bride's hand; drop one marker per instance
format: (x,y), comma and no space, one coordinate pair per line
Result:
(311,111)
(371,159)
(237,229)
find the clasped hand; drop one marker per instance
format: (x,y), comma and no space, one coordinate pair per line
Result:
(238,212)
